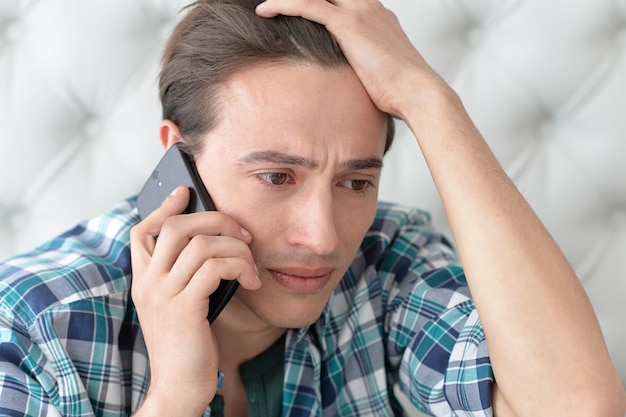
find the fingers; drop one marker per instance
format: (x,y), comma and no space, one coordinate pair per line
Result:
(178,231)
(206,260)
(375,45)
(203,283)
(316,10)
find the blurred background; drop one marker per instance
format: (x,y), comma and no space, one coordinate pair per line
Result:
(544,80)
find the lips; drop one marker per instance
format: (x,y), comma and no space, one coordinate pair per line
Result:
(302,280)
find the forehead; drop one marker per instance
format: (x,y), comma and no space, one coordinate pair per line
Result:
(294,105)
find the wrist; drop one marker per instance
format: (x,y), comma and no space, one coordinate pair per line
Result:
(418,90)
(156,404)
(428,105)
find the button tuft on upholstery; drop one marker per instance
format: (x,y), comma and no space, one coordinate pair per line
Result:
(617,218)
(164,29)
(16,218)
(13,31)
(474,36)
(620,37)
(546,127)
(91,127)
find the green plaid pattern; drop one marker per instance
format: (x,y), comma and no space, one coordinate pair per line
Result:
(71,345)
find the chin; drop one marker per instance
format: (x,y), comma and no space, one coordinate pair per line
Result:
(283,312)
(286,319)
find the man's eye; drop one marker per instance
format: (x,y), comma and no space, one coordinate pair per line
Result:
(357,185)
(275,178)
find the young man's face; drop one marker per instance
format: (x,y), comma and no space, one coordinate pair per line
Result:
(296,160)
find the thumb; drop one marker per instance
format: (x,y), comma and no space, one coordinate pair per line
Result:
(174,204)
(144,234)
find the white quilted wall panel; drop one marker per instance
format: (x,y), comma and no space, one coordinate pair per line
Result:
(545,81)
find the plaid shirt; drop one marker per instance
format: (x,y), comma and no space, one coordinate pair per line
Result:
(71,345)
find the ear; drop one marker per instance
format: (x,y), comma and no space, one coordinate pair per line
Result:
(170,133)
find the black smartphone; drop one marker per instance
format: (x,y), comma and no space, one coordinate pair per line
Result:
(177,168)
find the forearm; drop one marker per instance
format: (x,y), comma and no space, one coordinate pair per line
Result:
(547,351)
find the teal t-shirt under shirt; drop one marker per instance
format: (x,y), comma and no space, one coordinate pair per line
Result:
(262,379)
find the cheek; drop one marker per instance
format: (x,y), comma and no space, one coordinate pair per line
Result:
(263,220)
(353,223)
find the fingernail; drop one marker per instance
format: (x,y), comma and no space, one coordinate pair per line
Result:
(260,6)
(173,193)
(244,232)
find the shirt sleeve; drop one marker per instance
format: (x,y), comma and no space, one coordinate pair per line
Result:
(69,338)
(445,366)
(436,341)
(22,383)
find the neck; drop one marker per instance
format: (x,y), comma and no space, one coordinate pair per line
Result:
(241,335)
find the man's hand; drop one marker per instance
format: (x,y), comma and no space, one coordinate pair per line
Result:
(173,277)
(374,43)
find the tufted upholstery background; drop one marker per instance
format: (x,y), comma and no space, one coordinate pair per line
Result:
(545,81)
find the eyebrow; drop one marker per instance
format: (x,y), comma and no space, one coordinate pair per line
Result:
(283,158)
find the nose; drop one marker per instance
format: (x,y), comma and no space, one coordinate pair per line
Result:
(312,223)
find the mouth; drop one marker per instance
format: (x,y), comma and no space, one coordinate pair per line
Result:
(302,280)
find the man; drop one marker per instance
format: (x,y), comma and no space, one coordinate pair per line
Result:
(340,298)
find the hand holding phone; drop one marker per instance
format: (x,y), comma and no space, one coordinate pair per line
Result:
(176,169)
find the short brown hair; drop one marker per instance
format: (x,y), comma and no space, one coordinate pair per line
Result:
(218,37)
